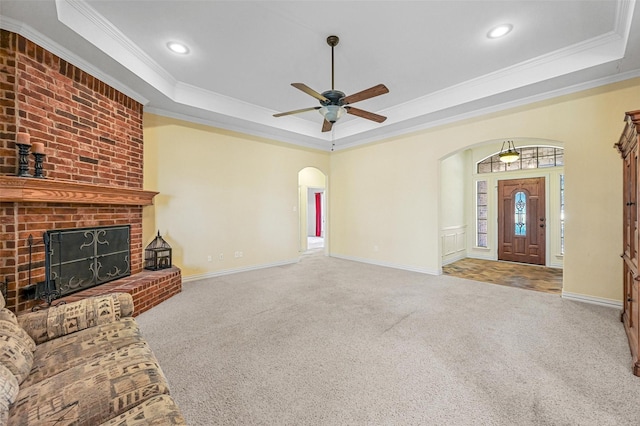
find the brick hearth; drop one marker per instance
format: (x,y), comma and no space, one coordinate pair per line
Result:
(93,140)
(148,288)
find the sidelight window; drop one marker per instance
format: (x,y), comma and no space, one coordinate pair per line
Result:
(482,215)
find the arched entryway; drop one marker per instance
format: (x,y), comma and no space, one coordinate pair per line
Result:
(474,211)
(312,184)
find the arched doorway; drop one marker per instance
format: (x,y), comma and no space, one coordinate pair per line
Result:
(480,222)
(312,193)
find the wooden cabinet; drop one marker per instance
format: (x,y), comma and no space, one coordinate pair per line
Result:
(628,146)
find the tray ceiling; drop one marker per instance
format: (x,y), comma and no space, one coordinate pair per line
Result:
(434,56)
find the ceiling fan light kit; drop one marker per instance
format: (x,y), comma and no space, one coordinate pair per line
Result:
(332,113)
(334,102)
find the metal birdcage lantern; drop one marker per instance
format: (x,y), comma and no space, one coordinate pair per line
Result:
(157,255)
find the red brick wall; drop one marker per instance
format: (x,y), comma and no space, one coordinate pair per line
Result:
(8,159)
(92,134)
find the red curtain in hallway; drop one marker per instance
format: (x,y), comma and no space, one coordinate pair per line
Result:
(318,214)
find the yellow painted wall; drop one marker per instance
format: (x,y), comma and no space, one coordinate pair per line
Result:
(384,199)
(454,174)
(222,192)
(455,171)
(384,204)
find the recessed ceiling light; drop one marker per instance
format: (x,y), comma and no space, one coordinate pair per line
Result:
(500,31)
(176,47)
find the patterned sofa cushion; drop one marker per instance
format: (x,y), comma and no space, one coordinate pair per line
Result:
(157,411)
(16,350)
(13,329)
(71,317)
(91,393)
(7,315)
(63,353)
(8,392)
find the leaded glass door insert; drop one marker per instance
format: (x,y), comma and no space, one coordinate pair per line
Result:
(520,208)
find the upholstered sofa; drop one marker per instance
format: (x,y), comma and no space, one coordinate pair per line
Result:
(81,363)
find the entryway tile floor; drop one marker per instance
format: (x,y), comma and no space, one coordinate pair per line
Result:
(530,277)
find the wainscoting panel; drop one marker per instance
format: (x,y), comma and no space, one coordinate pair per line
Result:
(454,243)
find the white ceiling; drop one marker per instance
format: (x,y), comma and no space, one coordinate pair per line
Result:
(433,56)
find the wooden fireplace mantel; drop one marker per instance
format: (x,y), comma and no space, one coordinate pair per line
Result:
(34,190)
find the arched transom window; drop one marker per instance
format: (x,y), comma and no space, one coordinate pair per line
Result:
(531,157)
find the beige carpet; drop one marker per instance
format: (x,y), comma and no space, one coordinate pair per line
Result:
(332,342)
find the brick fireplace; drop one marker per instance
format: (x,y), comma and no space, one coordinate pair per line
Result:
(93,140)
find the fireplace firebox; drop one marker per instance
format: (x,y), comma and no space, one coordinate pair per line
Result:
(78,259)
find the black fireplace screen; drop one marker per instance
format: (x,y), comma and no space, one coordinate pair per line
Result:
(83,258)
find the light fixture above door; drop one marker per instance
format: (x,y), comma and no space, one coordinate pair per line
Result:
(510,155)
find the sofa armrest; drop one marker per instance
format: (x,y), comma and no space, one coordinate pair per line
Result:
(59,320)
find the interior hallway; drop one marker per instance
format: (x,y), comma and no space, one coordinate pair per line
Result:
(315,243)
(531,277)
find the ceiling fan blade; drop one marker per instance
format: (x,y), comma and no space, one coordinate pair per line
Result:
(365,114)
(296,111)
(326,126)
(309,91)
(378,90)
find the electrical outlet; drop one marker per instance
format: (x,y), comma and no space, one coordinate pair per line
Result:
(238,254)
(221,256)
(209,258)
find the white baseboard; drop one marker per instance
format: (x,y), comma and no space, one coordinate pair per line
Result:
(387,265)
(611,303)
(236,270)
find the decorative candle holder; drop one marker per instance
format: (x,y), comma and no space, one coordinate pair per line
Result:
(39,173)
(23,160)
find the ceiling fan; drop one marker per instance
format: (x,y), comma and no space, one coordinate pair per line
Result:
(334,103)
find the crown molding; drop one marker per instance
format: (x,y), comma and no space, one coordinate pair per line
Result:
(233,114)
(494,108)
(29,33)
(84,20)
(590,53)
(247,128)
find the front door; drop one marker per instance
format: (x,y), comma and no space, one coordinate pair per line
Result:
(521,220)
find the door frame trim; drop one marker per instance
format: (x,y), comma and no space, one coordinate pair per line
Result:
(551,175)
